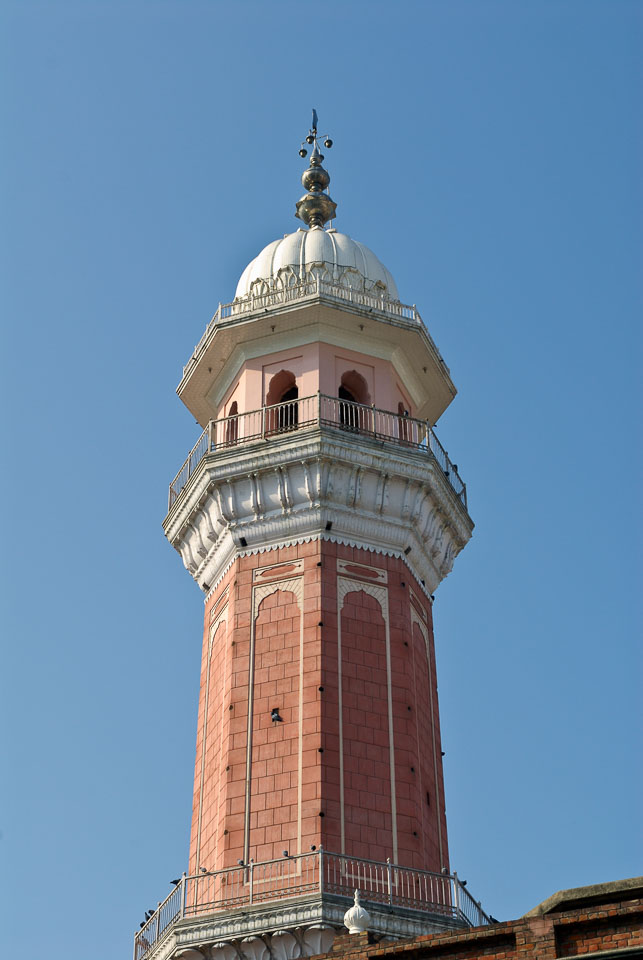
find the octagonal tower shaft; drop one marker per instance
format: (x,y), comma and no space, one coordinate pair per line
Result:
(337,642)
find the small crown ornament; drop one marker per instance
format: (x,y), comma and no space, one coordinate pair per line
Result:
(357,919)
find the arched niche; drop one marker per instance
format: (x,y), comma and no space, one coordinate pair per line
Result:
(353,389)
(319,273)
(260,288)
(232,425)
(352,278)
(282,390)
(286,278)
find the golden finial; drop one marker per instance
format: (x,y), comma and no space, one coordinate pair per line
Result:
(316,207)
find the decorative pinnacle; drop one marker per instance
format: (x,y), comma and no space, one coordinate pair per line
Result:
(357,919)
(316,207)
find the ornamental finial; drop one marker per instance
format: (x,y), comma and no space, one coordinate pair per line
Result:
(357,919)
(316,207)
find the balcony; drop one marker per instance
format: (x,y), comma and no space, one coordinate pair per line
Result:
(440,898)
(266,423)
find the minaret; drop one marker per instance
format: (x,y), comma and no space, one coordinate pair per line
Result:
(318,513)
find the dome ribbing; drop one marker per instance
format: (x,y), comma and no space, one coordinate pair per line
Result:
(330,255)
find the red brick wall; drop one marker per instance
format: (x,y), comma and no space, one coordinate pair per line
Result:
(215,734)
(275,746)
(367,782)
(595,929)
(421,843)
(606,933)
(294,796)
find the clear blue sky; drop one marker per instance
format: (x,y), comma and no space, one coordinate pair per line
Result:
(490,153)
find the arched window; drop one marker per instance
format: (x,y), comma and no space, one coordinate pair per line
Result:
(289,409)
(282,397)
(232,425)
(353,390)
(355,384)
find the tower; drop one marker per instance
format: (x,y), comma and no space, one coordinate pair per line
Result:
(318,513)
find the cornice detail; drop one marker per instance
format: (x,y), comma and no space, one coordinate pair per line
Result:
(375,496)
(288,931)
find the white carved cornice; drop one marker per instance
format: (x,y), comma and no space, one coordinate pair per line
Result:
(288,930)
(380,496)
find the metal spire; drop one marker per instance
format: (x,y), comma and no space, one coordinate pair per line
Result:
(316,207)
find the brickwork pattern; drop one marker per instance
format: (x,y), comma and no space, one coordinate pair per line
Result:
(275,745)
(588,933)
(281,651)
(367,782)
(597,930)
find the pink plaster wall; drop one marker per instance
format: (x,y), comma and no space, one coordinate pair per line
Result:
(316,366)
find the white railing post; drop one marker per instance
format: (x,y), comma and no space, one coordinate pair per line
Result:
(456,891)
(390,881)
(263,423)
(252,878)
(184,883)
(321,869)
(158,923)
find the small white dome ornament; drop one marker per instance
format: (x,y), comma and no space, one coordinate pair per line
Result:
(357,919)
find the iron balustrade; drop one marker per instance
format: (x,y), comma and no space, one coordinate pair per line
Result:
(318,410)
(164,917)
(301,290)
(311,874)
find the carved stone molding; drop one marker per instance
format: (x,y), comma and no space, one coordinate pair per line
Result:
(378,496)
(294,585)
(362,571)
(346,586)
(288,930)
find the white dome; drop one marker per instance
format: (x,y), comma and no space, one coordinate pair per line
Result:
(327,254)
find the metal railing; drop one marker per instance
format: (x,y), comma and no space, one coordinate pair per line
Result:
(303,289)
(308,874)
(319,410)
